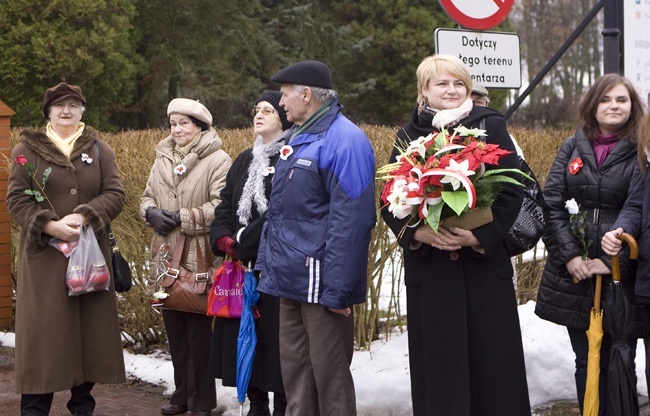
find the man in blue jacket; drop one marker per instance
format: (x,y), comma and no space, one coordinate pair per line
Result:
(314,246)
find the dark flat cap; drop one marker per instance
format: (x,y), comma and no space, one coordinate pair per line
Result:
(60,92)
(309,73)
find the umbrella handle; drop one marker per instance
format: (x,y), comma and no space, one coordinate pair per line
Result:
(634,254)
(597,292)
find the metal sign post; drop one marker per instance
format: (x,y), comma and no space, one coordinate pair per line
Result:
(612,37)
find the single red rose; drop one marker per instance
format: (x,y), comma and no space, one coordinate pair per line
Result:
(21,160)
(575,166)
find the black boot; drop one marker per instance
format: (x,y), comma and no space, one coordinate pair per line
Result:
(259,402)
(279,404)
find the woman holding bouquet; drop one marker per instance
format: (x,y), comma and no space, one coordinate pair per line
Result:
(585,191)
(465,349)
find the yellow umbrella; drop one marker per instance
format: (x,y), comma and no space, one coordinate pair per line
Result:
(595,337)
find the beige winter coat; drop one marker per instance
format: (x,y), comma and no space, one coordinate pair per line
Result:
(63,341)
(197,189)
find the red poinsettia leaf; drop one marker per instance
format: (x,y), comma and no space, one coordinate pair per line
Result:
(388,188)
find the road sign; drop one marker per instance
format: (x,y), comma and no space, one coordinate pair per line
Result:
(637,45)
(493,58)
(477,14)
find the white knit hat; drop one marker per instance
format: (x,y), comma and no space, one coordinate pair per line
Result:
(189,107)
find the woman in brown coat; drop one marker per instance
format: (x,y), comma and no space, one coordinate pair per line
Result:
(181,194)
(63,342)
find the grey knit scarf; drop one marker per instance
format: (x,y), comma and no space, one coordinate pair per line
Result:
(254,188)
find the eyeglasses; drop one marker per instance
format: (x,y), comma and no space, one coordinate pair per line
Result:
(265,111)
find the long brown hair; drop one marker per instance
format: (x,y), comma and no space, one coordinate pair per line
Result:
(643,147)
(590,101)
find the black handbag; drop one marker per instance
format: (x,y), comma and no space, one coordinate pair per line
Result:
(531,220)
(121,268)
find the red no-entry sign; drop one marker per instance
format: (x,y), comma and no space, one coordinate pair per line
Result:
(477,14)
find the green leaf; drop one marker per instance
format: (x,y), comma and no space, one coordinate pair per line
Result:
(433,216)
(46,174)
(501,178)
(38,196)
(440,141)
(456,200)
(498,171)
(28,192)
(31,169)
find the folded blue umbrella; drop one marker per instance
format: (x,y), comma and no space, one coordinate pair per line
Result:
(247,338)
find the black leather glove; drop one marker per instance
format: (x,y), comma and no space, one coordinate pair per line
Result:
(176,216)
(159,221)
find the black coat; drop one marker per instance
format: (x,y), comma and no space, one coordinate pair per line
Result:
(223,352)
(602,192)
(226,220)
(465,349)
(635,219)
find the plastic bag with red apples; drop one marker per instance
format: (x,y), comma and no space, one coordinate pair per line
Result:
(87,269)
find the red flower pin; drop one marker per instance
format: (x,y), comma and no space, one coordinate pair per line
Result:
(285,151)
(575,166)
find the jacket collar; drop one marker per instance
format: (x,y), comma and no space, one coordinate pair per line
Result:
(622,150)
(320,126)
(208,143)
(45,148)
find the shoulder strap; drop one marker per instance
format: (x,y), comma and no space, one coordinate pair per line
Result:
(96,147)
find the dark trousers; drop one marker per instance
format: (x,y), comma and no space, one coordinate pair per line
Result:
(580,344)
(189,336)
(260,400)
(39,404)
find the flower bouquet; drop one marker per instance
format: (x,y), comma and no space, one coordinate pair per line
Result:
(443,176)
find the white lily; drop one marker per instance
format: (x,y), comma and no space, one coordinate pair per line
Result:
(418,145)
(397,200)
(462,167)
(464,131)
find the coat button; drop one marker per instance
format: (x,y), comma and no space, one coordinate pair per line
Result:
(454,256)
(73,191)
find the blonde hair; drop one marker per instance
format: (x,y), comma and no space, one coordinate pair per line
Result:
(434,66)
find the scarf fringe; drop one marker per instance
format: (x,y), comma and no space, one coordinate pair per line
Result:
(254,189)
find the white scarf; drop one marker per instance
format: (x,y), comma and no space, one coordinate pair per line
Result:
(445,118)
(254,189)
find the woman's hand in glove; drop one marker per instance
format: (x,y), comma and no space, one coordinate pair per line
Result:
(227,245)
(160,222)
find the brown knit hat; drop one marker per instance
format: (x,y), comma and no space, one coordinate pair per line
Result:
(60,92)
